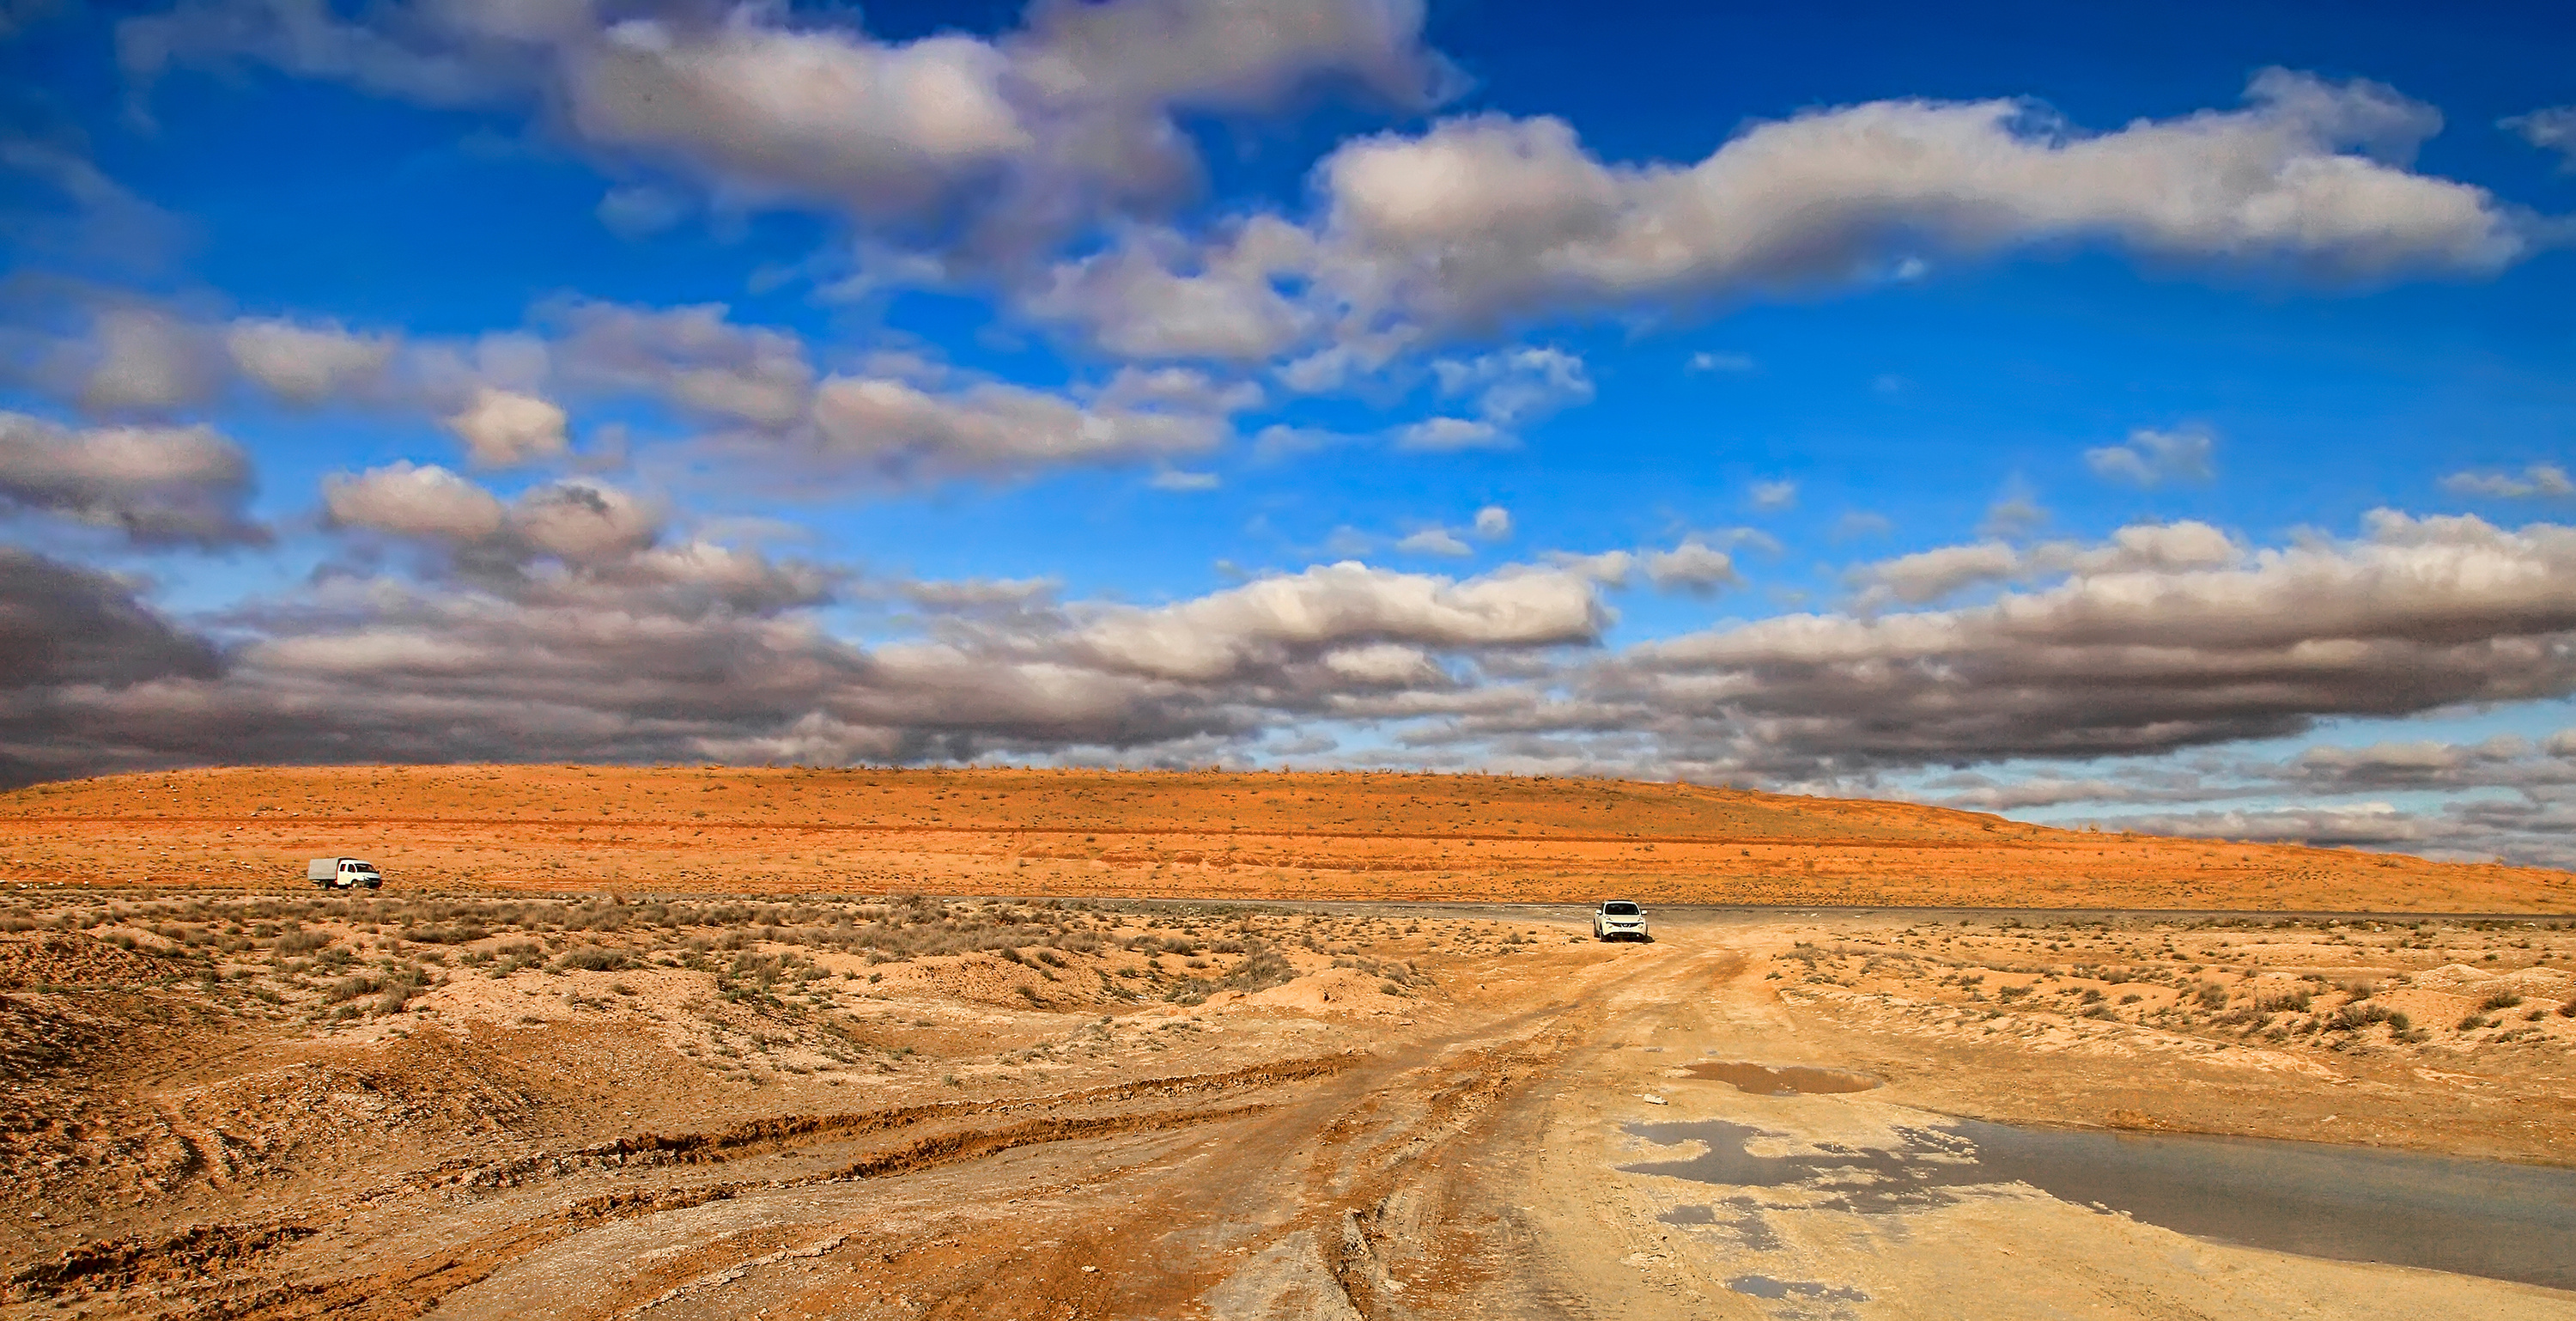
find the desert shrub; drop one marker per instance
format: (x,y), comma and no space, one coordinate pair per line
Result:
(591,958)
(2292,1002)
(463,933)
(2472,1023)
(2500,1000)
(2356,1016)
(2011,992)
(2211,995)
(302,942)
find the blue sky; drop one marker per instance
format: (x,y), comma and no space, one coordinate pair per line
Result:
(2154,416)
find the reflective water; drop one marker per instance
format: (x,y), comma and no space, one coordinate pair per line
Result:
(1782,1080)
(2507,1222)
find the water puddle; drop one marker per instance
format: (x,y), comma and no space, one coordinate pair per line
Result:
(1763,1286)
(1782,1080)
(2505,1222)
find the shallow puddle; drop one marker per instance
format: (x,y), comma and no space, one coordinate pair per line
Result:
(1782,1080)
(2506,1222)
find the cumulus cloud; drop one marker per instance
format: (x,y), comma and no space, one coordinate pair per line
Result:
(1692,566)
(2537,481)
(2137,657)
(1929,575)
(2551,129)
(1491,219)
(1340,604)
(63,624)
(1059,124)
(414,501)
(695,357)
(155,485)
(1158,294)
(146,360)
(901,428)
(2153,457)
(684,650)
(307,364)
(1444,435)
(1493,523)
(504,428)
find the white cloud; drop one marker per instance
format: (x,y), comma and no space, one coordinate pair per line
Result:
(696,357)
(1030,136)
(1929,575)
(154,485)
(148,360)
(2015,513)
(991,428)
(1434,541)
(584,522)
(2152,457)
(2551,129)
(307,364)
(1490,218)
(1709,360)
(1441,435)
(413,500)
(1610,567)
(1174,479)
(1516,387)
(1267,620)
(2419,614)
(1692,566)
(1493,523)
(1157,295)
(503,428)
(2539,480)
(1774,495)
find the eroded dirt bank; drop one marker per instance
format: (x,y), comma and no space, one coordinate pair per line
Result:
(593,1109)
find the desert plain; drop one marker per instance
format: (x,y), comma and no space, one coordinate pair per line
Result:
(695,1042)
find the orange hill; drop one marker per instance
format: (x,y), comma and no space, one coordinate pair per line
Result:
(1355,835)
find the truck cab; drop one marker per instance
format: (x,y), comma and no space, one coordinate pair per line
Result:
(343,874)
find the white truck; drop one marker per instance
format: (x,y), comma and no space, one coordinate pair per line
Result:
(343,873)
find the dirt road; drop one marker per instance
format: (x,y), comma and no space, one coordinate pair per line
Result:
(1468,1163)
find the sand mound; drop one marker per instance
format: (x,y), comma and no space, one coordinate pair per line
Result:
(70,958)
(1335,992)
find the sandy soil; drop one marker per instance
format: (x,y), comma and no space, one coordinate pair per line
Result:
(1135,834)
(285,1105)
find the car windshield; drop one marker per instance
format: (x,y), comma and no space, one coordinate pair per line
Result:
(1619,910)
(357,866)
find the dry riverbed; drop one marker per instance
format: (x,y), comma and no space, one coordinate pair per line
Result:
(229,1104)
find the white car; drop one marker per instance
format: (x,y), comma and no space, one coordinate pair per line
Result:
(1619,919)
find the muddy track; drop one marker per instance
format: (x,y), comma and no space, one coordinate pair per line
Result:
(776,1133)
